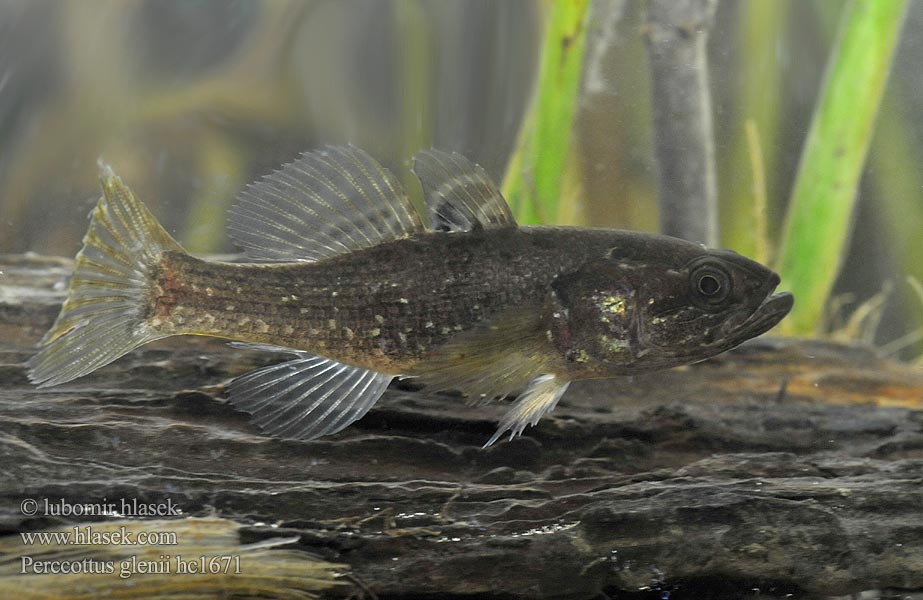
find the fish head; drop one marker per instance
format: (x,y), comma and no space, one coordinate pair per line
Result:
(679,305)
(711,304)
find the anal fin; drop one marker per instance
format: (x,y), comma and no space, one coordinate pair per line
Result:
(307,397)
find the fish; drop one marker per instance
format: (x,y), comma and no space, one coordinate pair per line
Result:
(358,287)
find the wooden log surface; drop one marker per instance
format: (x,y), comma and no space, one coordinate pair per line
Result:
(791,466)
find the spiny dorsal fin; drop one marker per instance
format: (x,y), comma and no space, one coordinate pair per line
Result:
(458,193)
(327,202)
(494,359)
(307,397)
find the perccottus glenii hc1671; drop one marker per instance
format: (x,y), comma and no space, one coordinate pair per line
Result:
(360,288)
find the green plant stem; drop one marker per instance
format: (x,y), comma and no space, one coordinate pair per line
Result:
(817,228)
(535,172)
(416,74)
(763,27)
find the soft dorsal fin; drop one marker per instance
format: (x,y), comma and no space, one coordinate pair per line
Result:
(327,202)
(458,193)
(307,397)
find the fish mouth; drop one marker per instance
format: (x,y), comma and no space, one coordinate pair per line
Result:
(768,314)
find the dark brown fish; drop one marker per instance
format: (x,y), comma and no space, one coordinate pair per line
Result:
(356,286)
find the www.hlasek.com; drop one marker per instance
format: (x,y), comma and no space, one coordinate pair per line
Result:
(86,536)
(102,534)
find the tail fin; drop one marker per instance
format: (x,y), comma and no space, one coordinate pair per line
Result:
(103,316)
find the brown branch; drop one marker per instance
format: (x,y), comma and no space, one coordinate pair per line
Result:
(677,32)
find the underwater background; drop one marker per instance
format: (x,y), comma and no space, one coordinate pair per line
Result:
(191,100)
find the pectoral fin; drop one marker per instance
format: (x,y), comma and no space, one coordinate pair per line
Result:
(496,358)
(507,354)
(307,397)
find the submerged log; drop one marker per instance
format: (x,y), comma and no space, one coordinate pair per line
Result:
(792,466)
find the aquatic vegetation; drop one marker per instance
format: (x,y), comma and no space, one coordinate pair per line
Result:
(816,231)
(536,170)
(823,199)
(764,35)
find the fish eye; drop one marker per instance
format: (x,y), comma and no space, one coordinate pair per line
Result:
(711,284)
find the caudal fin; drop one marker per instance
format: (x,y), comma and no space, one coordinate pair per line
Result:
(103,316)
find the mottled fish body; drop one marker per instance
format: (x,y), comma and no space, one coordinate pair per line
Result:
(355,285)
(385,307)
